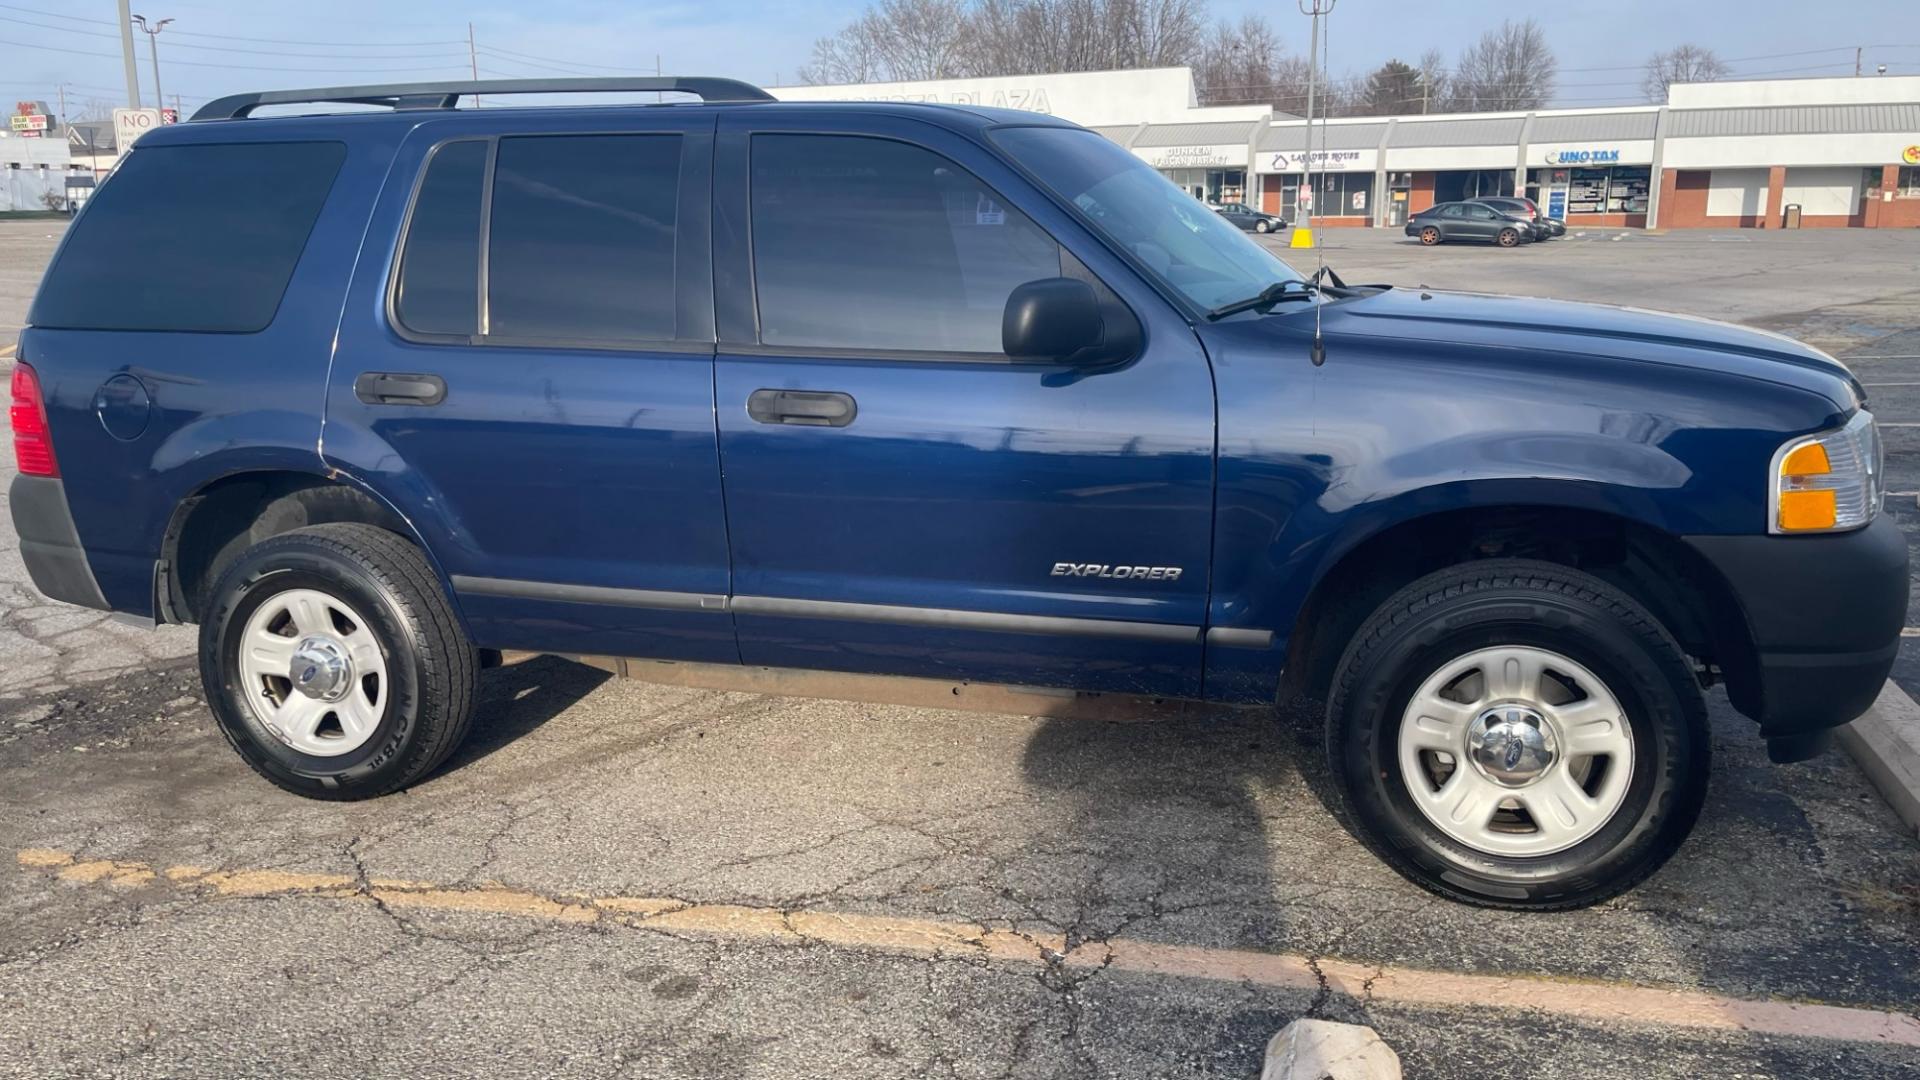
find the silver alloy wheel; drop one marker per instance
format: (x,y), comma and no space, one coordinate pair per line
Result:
(1516,751)
(313,672)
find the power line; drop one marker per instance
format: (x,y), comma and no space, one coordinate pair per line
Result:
(230,37)
(525,57)
(231,49)
(242,67)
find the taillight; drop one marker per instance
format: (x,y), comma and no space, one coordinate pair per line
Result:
(32,440)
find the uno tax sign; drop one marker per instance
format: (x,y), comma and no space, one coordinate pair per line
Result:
(1583,157)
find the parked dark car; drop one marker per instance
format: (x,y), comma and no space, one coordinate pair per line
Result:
(409,388)
(1544,227)
(1247,218)
(1471,221)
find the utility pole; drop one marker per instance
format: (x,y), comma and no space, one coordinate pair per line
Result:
(153,43)
(473,61)
(1857,50)
(126,57)
(61,89)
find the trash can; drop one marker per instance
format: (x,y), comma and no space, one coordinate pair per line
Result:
(1793,215)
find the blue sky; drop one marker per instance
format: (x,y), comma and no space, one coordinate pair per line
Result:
(44,42)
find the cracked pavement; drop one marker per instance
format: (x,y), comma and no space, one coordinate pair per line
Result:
(1070,839)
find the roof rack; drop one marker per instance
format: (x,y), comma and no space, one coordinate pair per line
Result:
(445,95)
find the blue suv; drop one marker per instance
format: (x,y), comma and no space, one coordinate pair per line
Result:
(926,391)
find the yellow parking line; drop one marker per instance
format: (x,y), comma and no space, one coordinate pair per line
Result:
(1601,1002)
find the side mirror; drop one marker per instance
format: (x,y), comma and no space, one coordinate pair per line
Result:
(1051,319)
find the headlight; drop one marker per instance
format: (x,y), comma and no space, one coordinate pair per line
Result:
(1829,482)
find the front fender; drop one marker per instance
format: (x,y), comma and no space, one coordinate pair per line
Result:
(1315,460)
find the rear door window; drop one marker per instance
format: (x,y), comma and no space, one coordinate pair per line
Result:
(201,238)
(867,243)
(439,288)
(582,238)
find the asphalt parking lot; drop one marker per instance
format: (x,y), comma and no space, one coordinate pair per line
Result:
(658,879)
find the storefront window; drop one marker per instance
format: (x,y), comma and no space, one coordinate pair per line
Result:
(1620,189)
(1335,194)
(1909,184)
(1210,185)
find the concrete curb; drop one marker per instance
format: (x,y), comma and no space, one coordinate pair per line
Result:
(1885,742)
(1325,1050)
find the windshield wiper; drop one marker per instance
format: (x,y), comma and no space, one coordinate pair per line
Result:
(1290,289)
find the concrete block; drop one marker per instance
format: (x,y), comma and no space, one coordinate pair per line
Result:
(1885,743)
(1324,1050)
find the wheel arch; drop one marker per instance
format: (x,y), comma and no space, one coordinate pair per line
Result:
(233,511)
(1672,580)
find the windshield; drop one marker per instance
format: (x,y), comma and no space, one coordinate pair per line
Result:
(1191,248)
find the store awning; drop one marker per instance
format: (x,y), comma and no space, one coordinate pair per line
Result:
(1594,127)
(1796,120)
(1215,133)
(1492,131)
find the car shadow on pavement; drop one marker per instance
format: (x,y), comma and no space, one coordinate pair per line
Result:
(517,699)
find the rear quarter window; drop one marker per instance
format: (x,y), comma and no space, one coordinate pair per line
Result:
(200,238)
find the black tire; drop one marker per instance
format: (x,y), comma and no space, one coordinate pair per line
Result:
(1519,602)
(432,668)
(1261,226)
(1509,238)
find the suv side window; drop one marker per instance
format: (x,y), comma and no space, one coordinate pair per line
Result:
(199,238)
(439,286)
(581,238)
(579,241)
(868,243)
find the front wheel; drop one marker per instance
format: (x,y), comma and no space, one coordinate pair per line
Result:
(1430,235)
(1517,734)
(1509,238)
(334,664)
(1261,226)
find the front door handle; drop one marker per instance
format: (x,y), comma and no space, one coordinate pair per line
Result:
(399,388)
(818,408)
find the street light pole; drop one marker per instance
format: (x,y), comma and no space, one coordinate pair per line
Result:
(126,56)
(1314,8)
(153,45)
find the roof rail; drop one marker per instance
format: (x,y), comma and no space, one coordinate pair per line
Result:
(445,95)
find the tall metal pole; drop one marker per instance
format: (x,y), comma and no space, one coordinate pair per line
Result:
(126,55)
(153,51)
(152,31)
(473,61)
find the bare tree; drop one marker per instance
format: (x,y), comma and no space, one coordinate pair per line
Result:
(1509,68)
(1434,81)
(894,40)
(1682,63)
(851,56)
(932,39)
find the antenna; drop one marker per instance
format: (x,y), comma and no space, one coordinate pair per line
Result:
(1318,43)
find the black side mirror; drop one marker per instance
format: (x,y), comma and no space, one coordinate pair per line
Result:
(1051,319)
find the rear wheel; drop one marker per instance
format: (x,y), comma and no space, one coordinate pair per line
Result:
(334,664)
(1518,734)
(1430,235)
(1509,237)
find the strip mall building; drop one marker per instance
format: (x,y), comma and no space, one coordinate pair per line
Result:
(1805,153)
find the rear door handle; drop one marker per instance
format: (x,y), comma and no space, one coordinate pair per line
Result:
(400,388)
(818,408)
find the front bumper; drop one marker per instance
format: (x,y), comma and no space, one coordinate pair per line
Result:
(1824,613)
(49,543)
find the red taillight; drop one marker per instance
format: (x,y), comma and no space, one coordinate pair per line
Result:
(32,441)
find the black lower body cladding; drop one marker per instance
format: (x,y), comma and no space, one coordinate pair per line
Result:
(49,543)
(1825,614)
